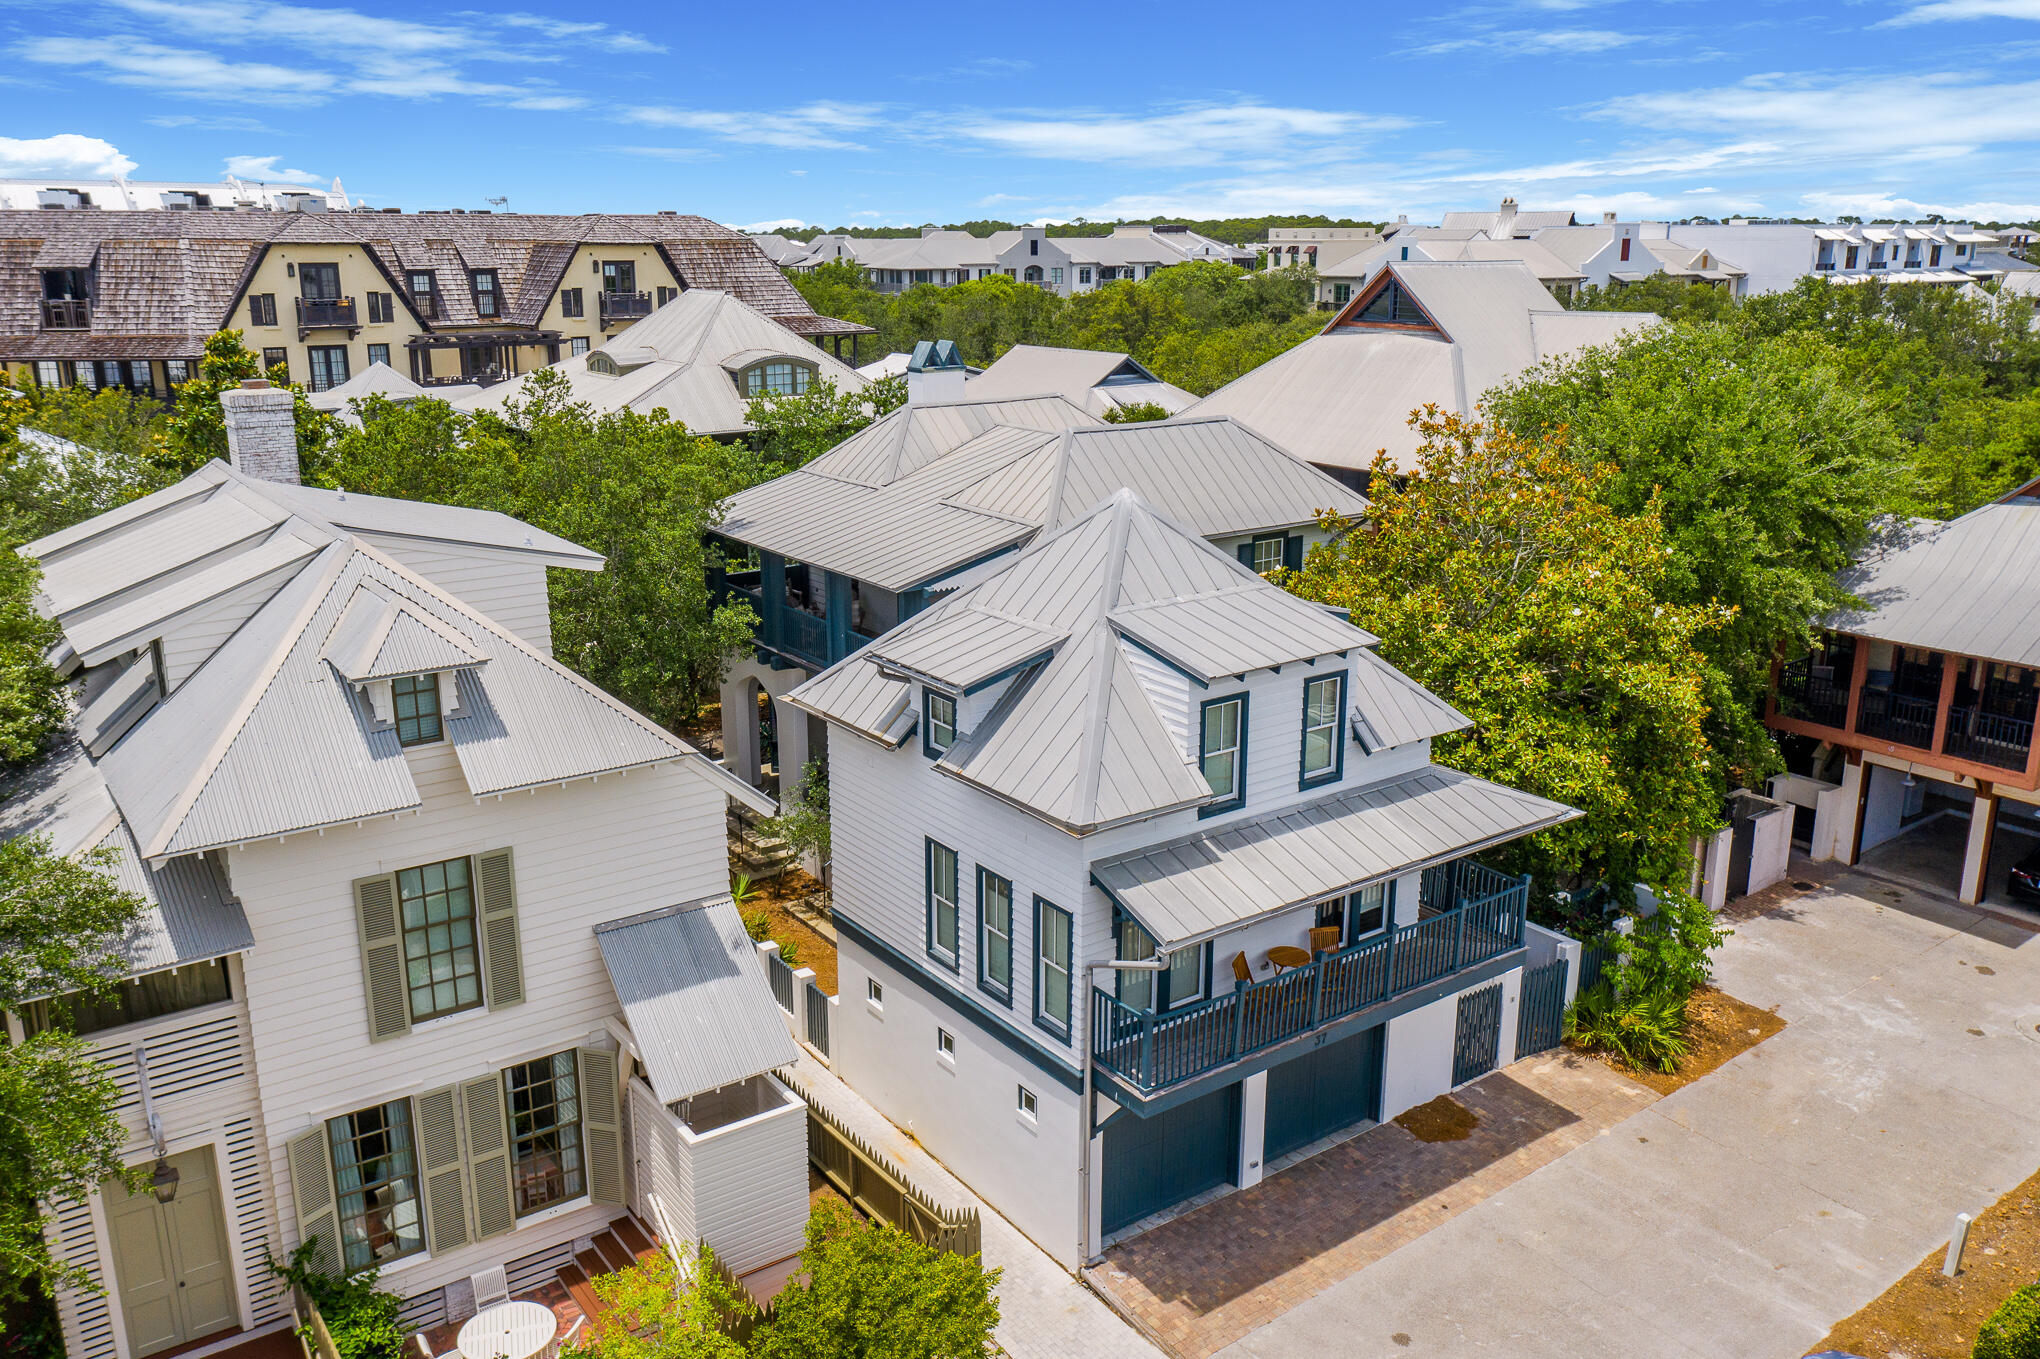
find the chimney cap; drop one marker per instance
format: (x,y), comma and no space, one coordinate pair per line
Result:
(254,384)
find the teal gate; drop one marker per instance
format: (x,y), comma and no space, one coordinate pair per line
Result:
(1322,1091)
(1540,1017)
(1478,1041)
(1151,1163)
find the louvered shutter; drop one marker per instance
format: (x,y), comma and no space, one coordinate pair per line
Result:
(488,1134)
(382,957)
(443,1167)
(502,954)
(1246,551)
(1292,551)
(601,1124)
(311,1185)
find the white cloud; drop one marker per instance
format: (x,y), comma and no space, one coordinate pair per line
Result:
(1935,11)
(1872,205)
(219,124)
(666,152)
(1525,42)
(66,155)
(596,34)
(125,60)
(820,126)
(776,224)
(1187,135)
(264,168)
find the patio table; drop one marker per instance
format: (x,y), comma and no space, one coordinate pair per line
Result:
(509,1330)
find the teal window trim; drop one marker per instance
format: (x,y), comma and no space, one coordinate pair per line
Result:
(1045,982)
(1336,770)
(990,944)
(1346,909)
(951,959)
(930,699)
(1238,796)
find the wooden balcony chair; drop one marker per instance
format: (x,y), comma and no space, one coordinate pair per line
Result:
(1242,970)
(1324,939)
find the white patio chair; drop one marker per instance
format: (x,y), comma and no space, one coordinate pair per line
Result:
(491,1287)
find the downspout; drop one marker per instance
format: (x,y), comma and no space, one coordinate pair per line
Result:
(1157,963)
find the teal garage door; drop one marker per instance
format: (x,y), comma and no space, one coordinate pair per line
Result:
(1324,1090)
(1151,1163)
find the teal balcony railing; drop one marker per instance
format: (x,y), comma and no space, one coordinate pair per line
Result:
(1151,1051)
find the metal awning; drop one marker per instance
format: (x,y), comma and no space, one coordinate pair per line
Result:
(1191,889)
(1629,276)
(1832,234)
(695,996)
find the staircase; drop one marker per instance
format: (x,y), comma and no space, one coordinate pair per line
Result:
(754,852)
(625,1242)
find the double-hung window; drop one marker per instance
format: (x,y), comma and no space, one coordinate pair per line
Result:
(262,309)
(1323,751)
(276,364)
(1054,965)
(1180,983)
(995,934)
(942,904)
(938,722)
(440,961)
(483,281)
(375,1174)
(1358,914)
(378,354)
(416,702)
(1222,751)
(545,1132)
(571,303)
(382,308)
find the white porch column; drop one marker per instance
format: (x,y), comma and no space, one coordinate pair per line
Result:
(1976,854)
(1512,1000)
(1855,787)
(792,728)
(1253,1127)
(740,728)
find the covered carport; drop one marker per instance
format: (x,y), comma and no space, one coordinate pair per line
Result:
(1957,839)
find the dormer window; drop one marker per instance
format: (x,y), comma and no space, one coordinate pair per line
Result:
(415,699)
(776,377)
(938,722)
(486,298)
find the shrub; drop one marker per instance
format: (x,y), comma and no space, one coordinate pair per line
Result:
(1647,1029)
(2013,1331)
(361,1318)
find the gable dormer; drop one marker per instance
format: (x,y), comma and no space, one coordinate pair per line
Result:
(403,663)
(1384,304)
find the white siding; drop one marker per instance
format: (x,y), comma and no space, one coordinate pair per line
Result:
(506,587)
(1172,693)
(584,853)
(750,1185)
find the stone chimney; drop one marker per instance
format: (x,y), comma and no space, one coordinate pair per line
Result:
(935,373)
(261,430)
(1608,218)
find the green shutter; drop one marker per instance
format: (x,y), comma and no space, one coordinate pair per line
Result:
(435,1124)
(488,1134)
(1292,551)
(502,956)
(311,1185)
(382,957)
(1246,553)
(601,1124)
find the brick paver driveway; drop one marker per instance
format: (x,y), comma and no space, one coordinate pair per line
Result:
(1212,1275)
(1742,1216)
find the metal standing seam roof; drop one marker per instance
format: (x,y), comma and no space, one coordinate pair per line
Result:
(1076,374)
(1970,586)
(377,638)
(1237,631)
(977,646)
(1390,709)
(1199,886)
(694,993)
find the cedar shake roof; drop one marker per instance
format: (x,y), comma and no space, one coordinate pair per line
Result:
(166,280)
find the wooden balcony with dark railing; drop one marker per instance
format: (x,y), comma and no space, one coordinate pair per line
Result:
(326,313)
(1482,919)
(625,306)
(67,313)
(1900,719)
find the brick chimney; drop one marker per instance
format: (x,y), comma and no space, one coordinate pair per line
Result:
(261,430)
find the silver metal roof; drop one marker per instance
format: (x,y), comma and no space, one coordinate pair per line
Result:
(1390,709)
(1970,586)
(975,646)
(1234,631)
(1339,398)
(1078,374)
(694,993)
(1203,884)
(942,507)
(377,638)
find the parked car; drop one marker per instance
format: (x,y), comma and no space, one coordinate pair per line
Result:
(2025,878)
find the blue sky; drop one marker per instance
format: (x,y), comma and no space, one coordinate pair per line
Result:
(1046,110)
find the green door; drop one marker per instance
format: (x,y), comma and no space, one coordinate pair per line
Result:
(1151,1163)
(1324,1090)
(170,1262)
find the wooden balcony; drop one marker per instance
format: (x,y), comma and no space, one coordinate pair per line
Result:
(66,313)
(625,306)
(326,313)
(1151,1051)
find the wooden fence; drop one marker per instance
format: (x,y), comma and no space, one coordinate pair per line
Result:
(880,1189)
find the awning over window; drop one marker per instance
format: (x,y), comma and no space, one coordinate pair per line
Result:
(694,993)
(1196,887)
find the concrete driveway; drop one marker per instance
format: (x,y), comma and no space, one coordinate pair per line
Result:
(1742,1216)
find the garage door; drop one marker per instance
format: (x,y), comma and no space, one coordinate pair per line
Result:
(1152,1163)
(1324,1090)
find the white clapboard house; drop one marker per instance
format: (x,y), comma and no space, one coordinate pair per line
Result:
(439,965)
(942,490)
(1127,745)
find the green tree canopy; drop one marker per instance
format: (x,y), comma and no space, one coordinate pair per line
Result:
(1765,466)
(868,1291)
(32,702)
(103,454)
(196,432)
(791,431)
(1500,578)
